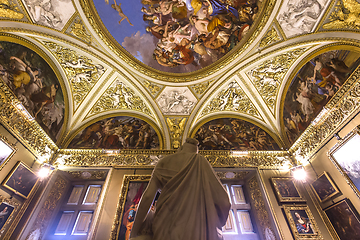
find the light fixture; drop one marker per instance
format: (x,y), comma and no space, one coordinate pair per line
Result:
(298,172)
(45,170)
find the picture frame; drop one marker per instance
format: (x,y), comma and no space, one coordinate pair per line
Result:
(344,219)
(130,190)
(286,190)
(7,215)
(346,159)
(302,222)
(324,187)
(7,150)
(21,180)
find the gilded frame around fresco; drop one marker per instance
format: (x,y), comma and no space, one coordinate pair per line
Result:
(15,205)
(122,199)
(31,176)
(280,189)
(304,212)
(328,180)
(351,135)
(5,143)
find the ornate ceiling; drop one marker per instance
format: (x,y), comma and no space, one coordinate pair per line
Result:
(247,84)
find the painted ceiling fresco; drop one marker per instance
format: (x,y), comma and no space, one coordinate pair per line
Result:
(117,133)
(233,134)
(313,86)
(35,84)
(178,35)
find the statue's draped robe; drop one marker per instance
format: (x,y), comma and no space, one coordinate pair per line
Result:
(193,204)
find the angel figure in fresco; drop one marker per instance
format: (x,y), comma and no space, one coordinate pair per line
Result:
(117,7)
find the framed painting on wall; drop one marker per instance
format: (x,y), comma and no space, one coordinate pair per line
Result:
(346,158)
(285,190)
(21,180)
(6,151)
(131,191)
(8,209)
(301,221)
(345,219)
(324,187)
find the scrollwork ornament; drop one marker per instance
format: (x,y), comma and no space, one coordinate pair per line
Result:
(10,9)
(260,212)
(345,15)
(119,96)
(270,37)
(152,88)
(200,88)
(82,73)
(47,209)
(149,158)
(268,75)
(232,98)
(78,30)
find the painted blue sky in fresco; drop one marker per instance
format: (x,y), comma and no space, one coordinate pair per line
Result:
(110,19)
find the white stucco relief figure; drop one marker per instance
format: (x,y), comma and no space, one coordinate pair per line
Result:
(176,101)
(83,71)
(50,13)
(298,17)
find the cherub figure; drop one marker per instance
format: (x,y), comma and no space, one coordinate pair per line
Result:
(117,7)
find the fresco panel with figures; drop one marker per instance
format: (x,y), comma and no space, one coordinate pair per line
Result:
(313,86)
(178,35)
(117,133)
(234,134)
(35,84)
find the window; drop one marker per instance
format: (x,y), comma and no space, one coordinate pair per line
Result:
(239,224)
(75,215)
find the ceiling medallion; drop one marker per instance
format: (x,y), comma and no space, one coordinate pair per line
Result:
(178,36)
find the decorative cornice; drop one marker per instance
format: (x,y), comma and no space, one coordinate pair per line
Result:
(149,158)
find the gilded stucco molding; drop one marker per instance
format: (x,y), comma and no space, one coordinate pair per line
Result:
(90,13)
(149,158)
(342,106)
(81,71)
(176,128)
(230,175)
(152,88)
(119,96)
(345,15)
(271,37)
(47,210)
(78,30)
(88,175)
(200,88)
(30,131)
(261,212)
(10,9)
(232,98)
(268,76)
